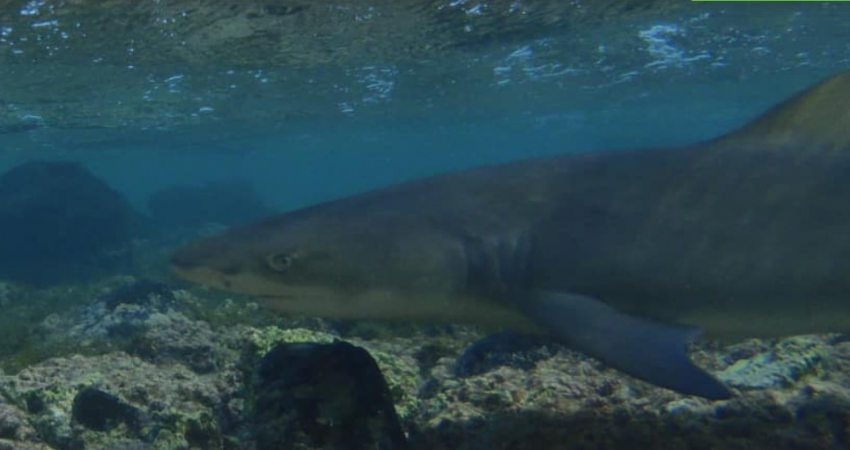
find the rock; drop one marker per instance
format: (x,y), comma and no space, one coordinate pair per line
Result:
(187,385)
(570,401)
(323,396)
(173,337)
(16,445)
(396,358)
(60,223)
(101,411)
(140,318)
(781,365)
(141,292)
(116,401)
(14,423)
(224,202)
(506,348)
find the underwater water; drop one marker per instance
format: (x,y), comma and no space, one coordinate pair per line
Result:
(129,129)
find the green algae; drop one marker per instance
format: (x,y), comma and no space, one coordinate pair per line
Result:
(402,378)
(263,339)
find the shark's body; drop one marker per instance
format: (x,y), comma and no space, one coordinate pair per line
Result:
(623,254)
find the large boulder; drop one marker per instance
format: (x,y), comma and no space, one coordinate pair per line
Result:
(323,396)
(60,223)
(224,202)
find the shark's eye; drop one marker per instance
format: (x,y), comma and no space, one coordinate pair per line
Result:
(280,262)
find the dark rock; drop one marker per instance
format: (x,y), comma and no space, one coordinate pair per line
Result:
(35,404)
(203,432)
(222,202)
(323,396)
(101,411)
(60,223)
(506,348)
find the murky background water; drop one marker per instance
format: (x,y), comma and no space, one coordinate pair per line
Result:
(312,100)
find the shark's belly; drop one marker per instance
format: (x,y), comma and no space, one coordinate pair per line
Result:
(724,302)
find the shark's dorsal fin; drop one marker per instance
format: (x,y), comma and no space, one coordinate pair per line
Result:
(817,116)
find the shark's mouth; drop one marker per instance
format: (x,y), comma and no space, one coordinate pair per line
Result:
(266,289)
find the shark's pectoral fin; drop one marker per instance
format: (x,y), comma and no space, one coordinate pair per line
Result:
(643,348)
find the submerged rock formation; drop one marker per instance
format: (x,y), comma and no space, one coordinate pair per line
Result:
(323,396)
(59,223)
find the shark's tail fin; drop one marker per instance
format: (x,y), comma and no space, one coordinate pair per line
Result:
(820,115)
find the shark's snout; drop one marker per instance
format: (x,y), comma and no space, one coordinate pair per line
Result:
(209,261)
(212,252)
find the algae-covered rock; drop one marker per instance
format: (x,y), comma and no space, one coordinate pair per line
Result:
(505,348)
(265,338)
(186,384)
(397,360)
(141,292)
(14,424)
(780,365)
(116,400)
(572,402)
(141,317)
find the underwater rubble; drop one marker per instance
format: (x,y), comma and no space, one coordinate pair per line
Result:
(162,377)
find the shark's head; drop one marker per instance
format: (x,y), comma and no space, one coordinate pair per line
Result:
(324,263)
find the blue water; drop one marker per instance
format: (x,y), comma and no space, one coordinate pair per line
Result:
(632,81)
(318,165)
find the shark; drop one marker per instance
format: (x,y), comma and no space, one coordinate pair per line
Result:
(628,256)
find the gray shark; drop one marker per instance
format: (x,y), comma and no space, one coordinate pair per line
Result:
(627,256)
